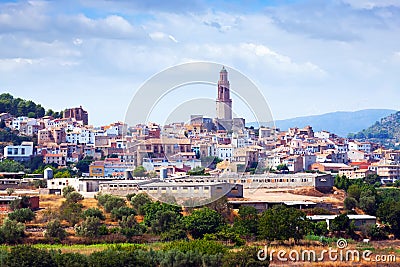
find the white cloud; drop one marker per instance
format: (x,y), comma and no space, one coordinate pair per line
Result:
(301,50)
(77,41)
(172,38)
(370,4)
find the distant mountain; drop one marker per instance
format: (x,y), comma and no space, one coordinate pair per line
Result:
(341,123)
(386,131)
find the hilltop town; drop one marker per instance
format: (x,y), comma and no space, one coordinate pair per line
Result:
(193,165)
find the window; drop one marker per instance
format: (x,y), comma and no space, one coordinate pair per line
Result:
(9,151)
(23,151)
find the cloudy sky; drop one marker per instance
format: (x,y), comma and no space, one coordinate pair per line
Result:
(307,57)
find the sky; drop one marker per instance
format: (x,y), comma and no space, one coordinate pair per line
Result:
(306,57)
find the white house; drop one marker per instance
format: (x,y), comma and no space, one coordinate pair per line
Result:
(225,152)
(19,153)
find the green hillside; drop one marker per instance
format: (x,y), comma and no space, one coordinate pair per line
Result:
(386,131)
(21,107)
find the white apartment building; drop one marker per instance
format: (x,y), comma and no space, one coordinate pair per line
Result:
(19,153)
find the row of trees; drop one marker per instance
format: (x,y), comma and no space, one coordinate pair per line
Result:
(20,107)
(167,222)
(368,195)
(179,254)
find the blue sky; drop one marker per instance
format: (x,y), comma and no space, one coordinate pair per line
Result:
(307,57)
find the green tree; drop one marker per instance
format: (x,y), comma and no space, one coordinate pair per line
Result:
(11,166)
(342,223)
(165,220)
(372,179)
(139,171)
(29,256)
(247,256)
(203,221)
(71,212)
(350,203)
(246,224)
(55,230)
(74,197)
(197,171)
(139,201)
(20,203)
(354,191)
(114,203)
(389,212)
(68,189)
(70,259)
(62,174)
(319,228)
(282,167)
(89,228)
(11,231)
(282,223)
(22,215)
(368,202)
(83,165)
(130,227)
(151,209)
(93,212)
(120,212)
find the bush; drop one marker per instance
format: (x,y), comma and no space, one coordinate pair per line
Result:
(130,196)
(139,201)
(74,197)
(203,221)
(118,213)
(110,202)
(89,228)
(200,245)
(70,260)
(54,229)
(350,203)
(243,258)
(20,203)
(71,212)
(11,231)
(66,190)
(93,212)
(130,227)
(173,234)
(22,215)
(29,256)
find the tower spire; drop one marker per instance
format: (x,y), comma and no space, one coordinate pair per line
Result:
(224,102)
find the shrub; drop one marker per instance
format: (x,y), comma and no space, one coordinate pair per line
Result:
(130,196)
(89,228)
(12,231)
(118,213)
(110,202)
(71,212)
(203,221)
(66,190)
(29,256)
(130,227)
(350,203)
(22,215)
(200,245)
(93,212)
(54,229)
(139,201)
(70,259)
(74,197)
